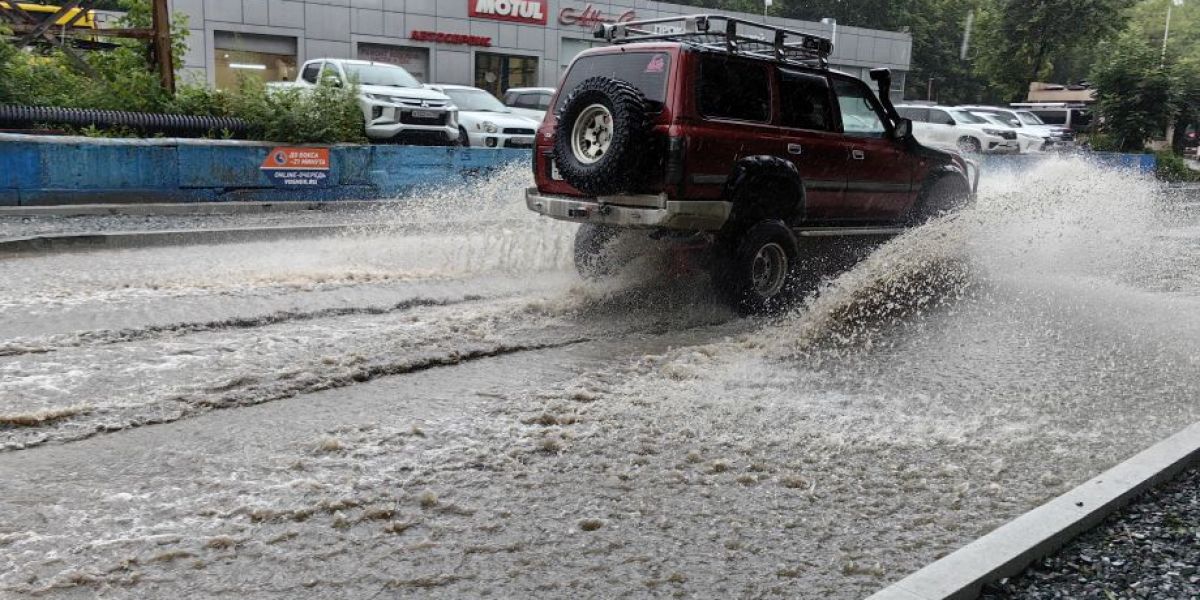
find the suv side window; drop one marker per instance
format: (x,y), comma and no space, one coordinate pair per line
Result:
(804,101)
(733,89)
(310,72)
(860,117)
(939,117)
(331,71)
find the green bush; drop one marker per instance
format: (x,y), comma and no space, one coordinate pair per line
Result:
(323,114)
(1171,167)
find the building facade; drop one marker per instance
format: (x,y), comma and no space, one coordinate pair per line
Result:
(492,44)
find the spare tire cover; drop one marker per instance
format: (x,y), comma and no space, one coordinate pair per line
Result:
(600,139)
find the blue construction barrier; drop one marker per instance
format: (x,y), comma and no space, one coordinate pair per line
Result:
(47,170)
(1141,163)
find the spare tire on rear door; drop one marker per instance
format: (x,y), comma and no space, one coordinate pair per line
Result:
(600,137)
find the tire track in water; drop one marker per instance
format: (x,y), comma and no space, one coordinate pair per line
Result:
(240,395)
(102,337)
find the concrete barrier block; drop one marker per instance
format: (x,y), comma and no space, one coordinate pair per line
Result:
(351,165)
(221,166)
(20,163)
(83,166)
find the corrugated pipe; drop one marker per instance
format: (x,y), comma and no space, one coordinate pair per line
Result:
(150,123)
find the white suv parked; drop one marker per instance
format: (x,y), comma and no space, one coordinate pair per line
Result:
(395,106)
(952,128)
(1023,120)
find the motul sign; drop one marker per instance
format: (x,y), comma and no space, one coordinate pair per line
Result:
(520,11)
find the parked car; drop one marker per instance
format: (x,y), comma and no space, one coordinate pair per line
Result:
(483,121)
(1075,117)
(395,106)
(529,101)
(1059,137)
(953,128)
(1028,141)
(733,143)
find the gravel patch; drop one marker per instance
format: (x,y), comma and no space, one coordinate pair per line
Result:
(1150,549)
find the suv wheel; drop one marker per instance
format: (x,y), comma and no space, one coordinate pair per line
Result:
(946,195)
(595,257)
(757,272)
(601,135)
(969,145)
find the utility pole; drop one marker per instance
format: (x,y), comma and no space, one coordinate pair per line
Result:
(1167,31)
(966,42)
(161,19)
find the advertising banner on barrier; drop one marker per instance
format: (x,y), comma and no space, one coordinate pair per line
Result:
(297,167)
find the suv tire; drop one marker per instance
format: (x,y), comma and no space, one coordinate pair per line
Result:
(969,145)
(600,136)
(946,195)
(756,272)
(594,258)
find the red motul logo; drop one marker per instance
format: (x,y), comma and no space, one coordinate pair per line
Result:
(521,11)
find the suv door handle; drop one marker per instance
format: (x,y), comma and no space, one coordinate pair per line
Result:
(857,154)
(795,148)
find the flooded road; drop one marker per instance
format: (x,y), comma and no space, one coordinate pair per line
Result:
(452,413)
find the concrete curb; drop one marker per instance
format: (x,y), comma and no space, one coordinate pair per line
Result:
(1039,532)
(184,208)
(142,239)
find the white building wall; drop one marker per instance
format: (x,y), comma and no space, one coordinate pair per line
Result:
(334,28)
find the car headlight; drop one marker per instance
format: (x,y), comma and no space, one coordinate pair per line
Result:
(381,98)
(995,132)
(489,127)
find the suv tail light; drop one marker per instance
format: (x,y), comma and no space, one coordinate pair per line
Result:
(674,167)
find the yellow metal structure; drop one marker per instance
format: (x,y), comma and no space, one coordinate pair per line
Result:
(87,21)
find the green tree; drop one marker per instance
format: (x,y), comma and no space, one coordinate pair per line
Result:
(1136,96)
(1019,40)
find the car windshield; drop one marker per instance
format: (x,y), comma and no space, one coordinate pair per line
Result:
(379,74)
(967,117)
(1004,118)
(1029,118)
(476,100)
(993,119)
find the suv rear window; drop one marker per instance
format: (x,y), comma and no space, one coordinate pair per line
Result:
(733,89)
(647,71)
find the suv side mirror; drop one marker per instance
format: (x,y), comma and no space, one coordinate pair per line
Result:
(903,129)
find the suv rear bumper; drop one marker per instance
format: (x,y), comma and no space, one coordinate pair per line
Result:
(638,211)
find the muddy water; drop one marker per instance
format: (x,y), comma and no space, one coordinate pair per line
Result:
(573,440)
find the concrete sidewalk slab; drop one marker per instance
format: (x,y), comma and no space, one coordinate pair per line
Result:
(185,208)
(1012,547)
(177,237)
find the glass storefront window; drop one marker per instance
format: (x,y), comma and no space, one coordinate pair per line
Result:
(266,57)
(233,64)
(414,60)
(498,72)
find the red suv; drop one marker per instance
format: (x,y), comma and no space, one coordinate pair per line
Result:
(737,132)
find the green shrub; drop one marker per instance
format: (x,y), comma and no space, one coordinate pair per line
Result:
(1171,167)
(323,114)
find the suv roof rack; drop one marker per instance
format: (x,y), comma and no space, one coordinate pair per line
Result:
(705,31)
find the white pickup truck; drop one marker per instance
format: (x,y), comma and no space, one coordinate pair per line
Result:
(395,106)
